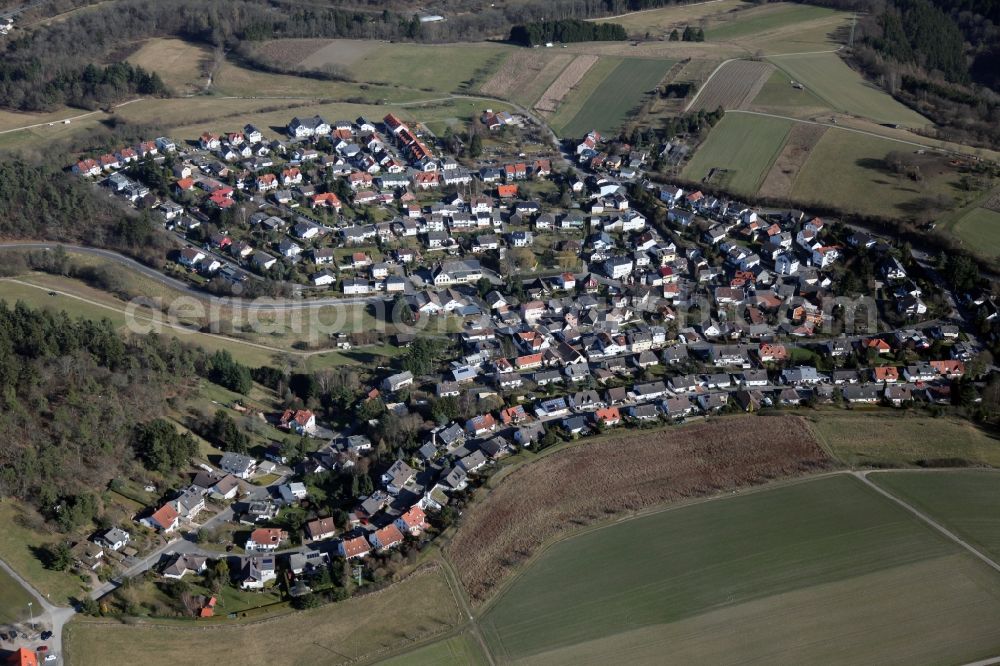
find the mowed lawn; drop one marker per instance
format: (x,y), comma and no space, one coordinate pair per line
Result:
(843,89)
(905,440)
(815,571)
(847,170)
(361,628)
(967,502)
(608,106)
(745,145)
(980,229)
(14,600)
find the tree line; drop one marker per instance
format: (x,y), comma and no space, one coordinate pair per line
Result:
(566,31)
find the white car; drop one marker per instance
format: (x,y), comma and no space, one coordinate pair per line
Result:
(50,657)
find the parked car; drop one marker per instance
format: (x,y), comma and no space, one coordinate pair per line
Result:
(46,635)
(50,657)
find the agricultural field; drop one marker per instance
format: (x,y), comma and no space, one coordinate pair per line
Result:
(733,86)
(525,75)
(802,138)
(412,610)
(762,19)
(426,67)
(232,80)
(659,22)
(633,472)
(565,83)
(182,65)
(618,93)
(743,148)
(979,228)
(964,501)
(880,440)
(862,181)
(462,650)
(780,97)
(828,77)
(817,571)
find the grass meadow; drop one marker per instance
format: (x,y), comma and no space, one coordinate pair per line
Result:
(763,18)
(361,628)
(15,600)
(828,77)
(461,650)
(180,64)
(979,228)
(904,440)
(809,572)
(745,145)
(847,170)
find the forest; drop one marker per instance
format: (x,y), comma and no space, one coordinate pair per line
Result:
(61,445)
(566,31)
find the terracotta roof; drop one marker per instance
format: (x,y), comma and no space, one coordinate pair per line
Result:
(415,517)
(389,535)
(166,515)
(356,546)
(267,536)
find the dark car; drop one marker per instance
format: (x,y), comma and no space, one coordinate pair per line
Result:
(42,648)
(46,635)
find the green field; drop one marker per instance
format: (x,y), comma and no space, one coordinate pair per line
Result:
(17,549)
(843,89)
(744,145)
(606,107)
(966,502)
(15,600)
(979,228)
(428,66)
(460,650)
(847,170)
(779,95)
(818,571)
(764,19)
(904,440)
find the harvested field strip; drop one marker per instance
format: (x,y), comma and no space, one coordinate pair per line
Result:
(617,97)
(734,86)
(524,75)
(570,77)
(802,138)
(698,558)
(618,475)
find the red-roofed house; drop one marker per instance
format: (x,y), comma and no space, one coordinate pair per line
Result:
(165,519)
(885,373)
(413,521)
(23,657)
(608,416)
(385,538)
(265,538)
(506,191)
(300,420)
(87,167)
(356,547)
(949,368)
(326,200)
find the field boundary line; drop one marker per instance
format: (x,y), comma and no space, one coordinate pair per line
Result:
(863,476)
(654,9)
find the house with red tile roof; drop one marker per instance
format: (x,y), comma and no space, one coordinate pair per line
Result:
(356,547)
(265,538)
(386,538)
(885,373)
(414,521)
(165,519)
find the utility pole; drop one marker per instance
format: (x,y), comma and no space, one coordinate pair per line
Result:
(31,614)
(357,572)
